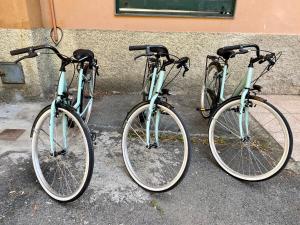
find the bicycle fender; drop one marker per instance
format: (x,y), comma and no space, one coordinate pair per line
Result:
(37,117)
(144,103)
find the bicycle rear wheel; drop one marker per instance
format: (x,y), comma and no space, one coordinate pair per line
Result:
(160,167)
(65,175)
(266,149)
(210,91)
(87,94)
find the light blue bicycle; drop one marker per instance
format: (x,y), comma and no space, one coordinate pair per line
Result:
(62,149)
(155,143)
(249,138)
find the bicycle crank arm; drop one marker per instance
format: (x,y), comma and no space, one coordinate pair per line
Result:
(154,145)
(62,152)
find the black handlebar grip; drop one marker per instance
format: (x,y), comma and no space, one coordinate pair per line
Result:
(137,47)
(37,47)
(233,47)
(26,50)
(20,51)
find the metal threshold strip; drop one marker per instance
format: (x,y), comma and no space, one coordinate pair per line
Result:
(132,10)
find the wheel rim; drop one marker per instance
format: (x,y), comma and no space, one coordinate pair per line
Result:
(258,158)
(155,169)
(64,176)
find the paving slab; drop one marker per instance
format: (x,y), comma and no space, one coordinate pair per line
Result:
(289,105)
(207,195)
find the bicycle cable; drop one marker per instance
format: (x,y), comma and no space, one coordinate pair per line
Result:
(173,64)
(268,67)
(165,85)
(72,76)
(51,53)
(145,72)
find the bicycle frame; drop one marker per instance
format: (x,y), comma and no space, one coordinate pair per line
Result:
(243,89)
(61,90)
(155,88)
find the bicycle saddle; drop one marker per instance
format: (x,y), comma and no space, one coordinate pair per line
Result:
(83,54)
(226,54)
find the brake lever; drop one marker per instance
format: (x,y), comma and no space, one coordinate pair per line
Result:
(243,51)
(186,69)
(269,59)
(97,70)
(30,55)
(272,63)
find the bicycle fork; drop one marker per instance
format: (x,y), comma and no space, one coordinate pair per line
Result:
(53,114)
(152,99)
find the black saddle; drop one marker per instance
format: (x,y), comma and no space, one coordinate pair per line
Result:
(83,55)
(226,54)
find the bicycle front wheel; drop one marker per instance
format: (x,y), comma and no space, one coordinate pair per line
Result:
(65,175)
(162,166)
(267,145)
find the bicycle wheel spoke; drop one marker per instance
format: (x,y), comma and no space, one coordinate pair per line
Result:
(158,167)
(62,175)
(228,129)
(138,135)
(261,152)
(53,140)
(71,174)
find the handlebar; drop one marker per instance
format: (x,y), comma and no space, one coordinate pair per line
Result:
(137,47)
(26,50)
(269,58)
(31,50)
(158,50)
(239,47)
(228,52)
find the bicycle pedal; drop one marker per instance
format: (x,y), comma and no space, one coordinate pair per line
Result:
(154,145)
(165,91)
(94,135)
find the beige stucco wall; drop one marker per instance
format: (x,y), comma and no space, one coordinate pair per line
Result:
(252,16)
(119,72)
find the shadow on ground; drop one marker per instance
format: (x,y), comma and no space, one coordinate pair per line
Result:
(207,195)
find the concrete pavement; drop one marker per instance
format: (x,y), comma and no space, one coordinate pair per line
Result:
(207,195)
(289,105)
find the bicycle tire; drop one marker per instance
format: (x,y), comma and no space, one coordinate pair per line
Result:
(128,157)
(265,158)
(86,94)
(43,174)
(207,109)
